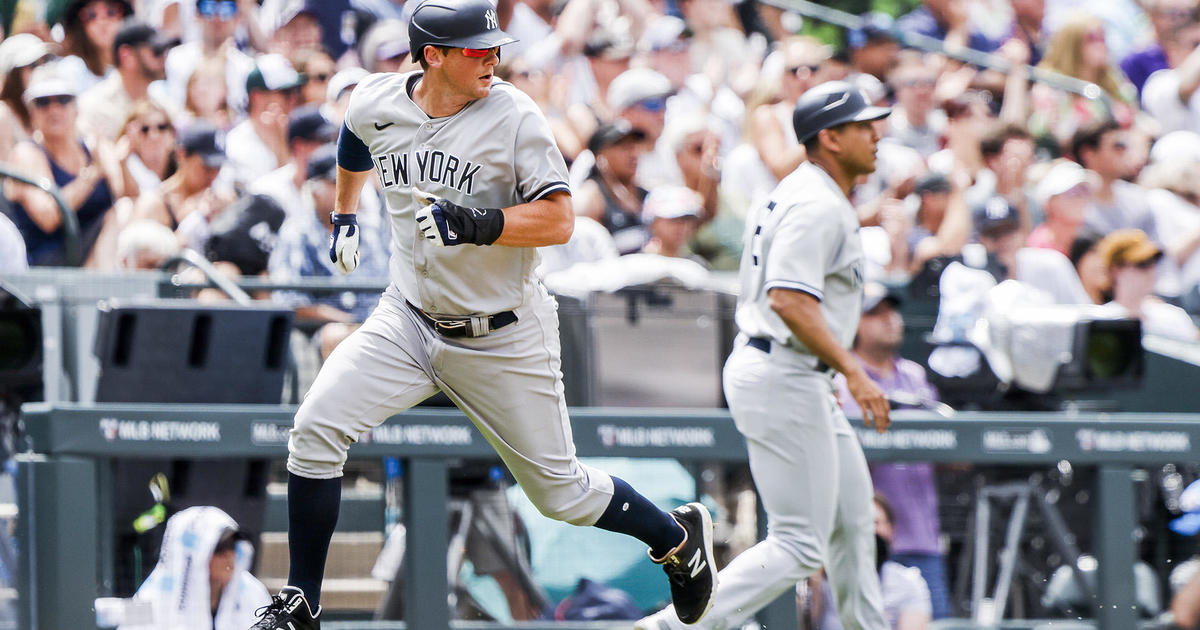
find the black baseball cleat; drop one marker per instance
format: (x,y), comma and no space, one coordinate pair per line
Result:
(690,565)
(288,611)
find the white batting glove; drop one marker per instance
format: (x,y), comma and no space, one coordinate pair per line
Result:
(343,243)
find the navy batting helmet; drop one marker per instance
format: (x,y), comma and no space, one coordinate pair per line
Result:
(456,24)
(831,104)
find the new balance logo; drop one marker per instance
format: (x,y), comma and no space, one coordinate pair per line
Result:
(479,212)
(696,564)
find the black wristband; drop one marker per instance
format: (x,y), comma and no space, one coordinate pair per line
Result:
(480,226)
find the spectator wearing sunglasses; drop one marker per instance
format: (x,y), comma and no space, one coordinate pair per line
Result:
(1063,193)
(1102,148)
(150,135)
(88,178)
(610,193)
(90,28)
(219,20)
(317,67)
(297,29)
(19,55)
(259,144)
(916,121)
(138,53)
(1131,259)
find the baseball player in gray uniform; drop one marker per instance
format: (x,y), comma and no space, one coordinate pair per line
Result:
(474,183)
(801,290)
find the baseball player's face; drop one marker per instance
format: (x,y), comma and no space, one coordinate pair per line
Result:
(858,141)
(469,74)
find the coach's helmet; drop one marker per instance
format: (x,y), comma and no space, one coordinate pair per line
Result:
(456,24)
(831,104)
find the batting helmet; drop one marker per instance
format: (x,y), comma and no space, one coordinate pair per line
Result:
(831,104)
(456,24)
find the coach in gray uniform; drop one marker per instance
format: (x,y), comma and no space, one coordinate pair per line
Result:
(474,184)
(801,291)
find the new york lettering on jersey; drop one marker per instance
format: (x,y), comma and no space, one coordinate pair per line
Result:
(432,166)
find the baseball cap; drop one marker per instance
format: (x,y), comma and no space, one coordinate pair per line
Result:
(386,39)
(20,50)
(635,85)
(308,123)
(831,104)
(608,46)
(137,33)
(671,202)
(664,33)
(875,293)
(343,80)
(322,164)
(875,27)
(1175,147)
(48,80)
(931,182)
(203,139)
(996,217)
(1061,178)
(611,133)
(273,72)
(1128,246)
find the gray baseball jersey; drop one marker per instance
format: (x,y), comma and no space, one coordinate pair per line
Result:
(496,152)
(805,238)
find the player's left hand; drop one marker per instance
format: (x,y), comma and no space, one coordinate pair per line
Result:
(444,223)
(343,242)
(876,410)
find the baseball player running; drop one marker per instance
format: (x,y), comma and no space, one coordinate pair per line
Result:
(473,183)
(801,290)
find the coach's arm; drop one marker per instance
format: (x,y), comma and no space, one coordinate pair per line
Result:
(547,221)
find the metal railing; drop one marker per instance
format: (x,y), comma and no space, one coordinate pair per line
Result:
(72,248)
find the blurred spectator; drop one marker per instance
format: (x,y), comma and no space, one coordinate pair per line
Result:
(1028,27)
(874,47)
(671,215)
(1085,257)
(909,486)
(914,121)
(590,242)
(219,20)
(1131,259)
(90,179)
(1101,147)
(202,579)
(1172,184)
(946,20)
(639,95)
(151,139)
(1079,49)
(302,250)
(1169,95)
(967,119)
(242,236)
(90,28)
(297,27)
(696,149)
(337,94)
(998,225)
(145,244)
(307,130)
(1007,152)
(259,144)
(943,222)
(317,67)
(385,48)
(714,44)
(138,56)
(19,55)
(1167,18)
(769,124)
(610,195)
(188,200)
(13,258)
(1064,193)
(207,95)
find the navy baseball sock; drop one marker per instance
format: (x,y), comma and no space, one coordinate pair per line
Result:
(633,514)
(312,514)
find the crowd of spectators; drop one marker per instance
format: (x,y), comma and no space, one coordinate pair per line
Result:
(210,125)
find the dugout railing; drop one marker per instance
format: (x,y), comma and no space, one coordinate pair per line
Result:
(62,497)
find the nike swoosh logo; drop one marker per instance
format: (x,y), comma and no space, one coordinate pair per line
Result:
(379,127)
(845,97)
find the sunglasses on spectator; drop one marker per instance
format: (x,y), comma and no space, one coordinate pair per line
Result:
(653,105)
(1149,263)
(110,11)
(795,70)
(695,148)
(479,53)
(42,102)
(161,127)
(319,77)
(224,10)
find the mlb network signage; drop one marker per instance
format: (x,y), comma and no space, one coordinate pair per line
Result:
(114,430)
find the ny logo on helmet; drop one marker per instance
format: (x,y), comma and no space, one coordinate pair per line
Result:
(490,18)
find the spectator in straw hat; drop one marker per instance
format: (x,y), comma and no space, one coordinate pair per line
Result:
(1132,259)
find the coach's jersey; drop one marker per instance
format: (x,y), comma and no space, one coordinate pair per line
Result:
(804,238)
(496,152)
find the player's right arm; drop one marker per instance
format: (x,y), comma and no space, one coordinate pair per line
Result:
(354,165)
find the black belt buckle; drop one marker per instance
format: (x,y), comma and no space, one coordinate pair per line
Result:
(760,343)
(458,328)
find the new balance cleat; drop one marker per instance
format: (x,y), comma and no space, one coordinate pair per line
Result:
(689,566)
(288,611)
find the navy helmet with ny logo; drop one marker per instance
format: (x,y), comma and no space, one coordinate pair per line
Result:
(455,24)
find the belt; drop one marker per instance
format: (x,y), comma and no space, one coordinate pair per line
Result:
(764,344)
(457,327)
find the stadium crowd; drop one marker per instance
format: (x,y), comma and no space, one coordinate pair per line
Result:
(210,125)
